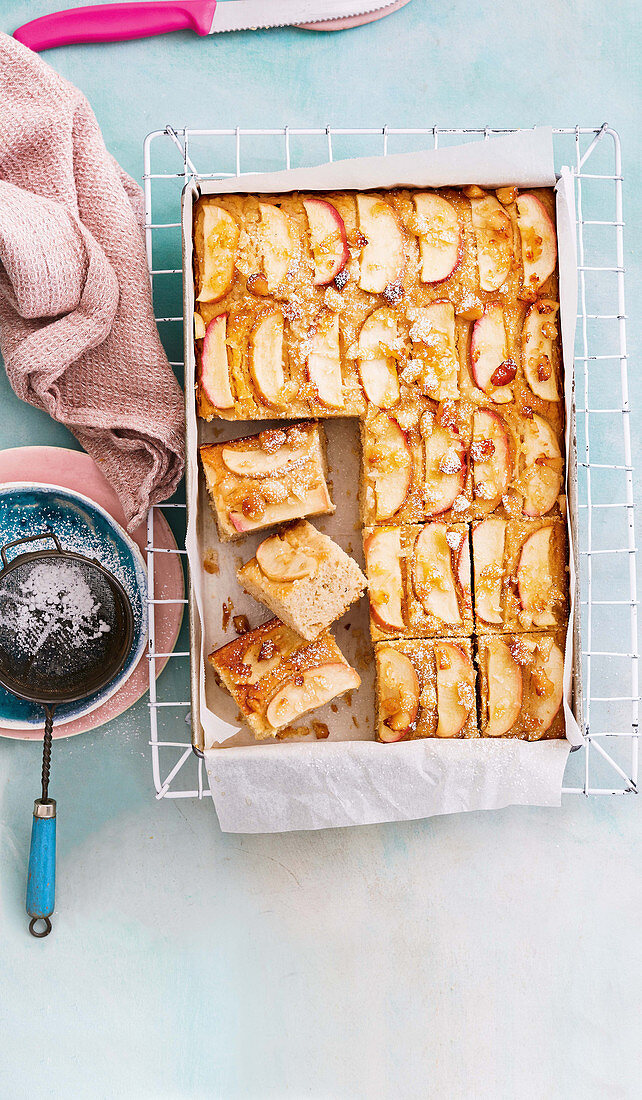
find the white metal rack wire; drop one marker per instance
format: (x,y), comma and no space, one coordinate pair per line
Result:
(605,474)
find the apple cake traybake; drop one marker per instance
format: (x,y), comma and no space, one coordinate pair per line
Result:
(432,317)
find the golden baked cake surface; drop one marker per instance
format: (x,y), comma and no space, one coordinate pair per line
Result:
(432,316)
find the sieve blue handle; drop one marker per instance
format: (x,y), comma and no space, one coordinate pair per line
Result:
(41,879)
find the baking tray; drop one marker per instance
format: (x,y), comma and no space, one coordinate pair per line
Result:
(233,429)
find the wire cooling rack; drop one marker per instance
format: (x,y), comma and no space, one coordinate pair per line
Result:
(607,763)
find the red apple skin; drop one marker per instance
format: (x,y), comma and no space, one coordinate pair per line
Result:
(383,623)
(330,212)
(223,400)
(457,264)
(537,208)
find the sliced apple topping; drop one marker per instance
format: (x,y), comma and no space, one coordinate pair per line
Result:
(539,242)
(547,679)
(308,690)
(279,560)
(324,361)
(455,688)
(377,363)
(382,549)
(388,463)
(494,238)
(257,513)
(215,371)
(544,468)
(537,593)
(492,370)
(463,573)
(280,244)
(491,455)
(328,240)
(255,462)
(398,687)
(445,470)
(433,336)
(505,688)
(432,574)
(266,358)
(440,237)
(220,239)
(488,564)
(538,335)
(382,259)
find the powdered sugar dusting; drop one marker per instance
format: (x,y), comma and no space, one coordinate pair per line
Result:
(54,598)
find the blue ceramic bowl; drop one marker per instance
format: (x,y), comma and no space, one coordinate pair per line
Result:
(86,528)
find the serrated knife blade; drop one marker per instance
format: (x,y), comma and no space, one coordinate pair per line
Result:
(246,15)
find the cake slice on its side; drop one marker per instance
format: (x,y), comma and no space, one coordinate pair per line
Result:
(304,578)
(267,479)
(522,685)
(275,677)
(425,689)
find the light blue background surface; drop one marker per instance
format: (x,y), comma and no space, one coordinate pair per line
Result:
(480,956)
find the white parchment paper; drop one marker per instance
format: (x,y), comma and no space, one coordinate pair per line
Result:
(349,779)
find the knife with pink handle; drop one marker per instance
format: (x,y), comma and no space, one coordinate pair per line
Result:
(117,22)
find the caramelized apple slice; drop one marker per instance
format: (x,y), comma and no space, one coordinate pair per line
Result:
(266,357)
(534,579)
(316,501)
(432,574)
(463,573)
(388,462)
(539,243)
(494,237)
(324,361)
(398,687)
(488,563)
(492,370)
(543,474)
(455,688)
(382,260)
(376,362)
(537,349)
(279,560)
(547,678)
(254,462)
(491,455)
(328,240)
(310,689)
(215,371)
(440,237)
(505,687)
(433,337)
(280,244)
(220,239)
(382,549)
(445,470)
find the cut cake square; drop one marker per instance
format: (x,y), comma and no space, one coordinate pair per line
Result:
(266,479)
(305,578)
(522,685)
(425,688)
(419,580)
(275,677)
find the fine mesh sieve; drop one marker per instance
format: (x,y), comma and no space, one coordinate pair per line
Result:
(66,629)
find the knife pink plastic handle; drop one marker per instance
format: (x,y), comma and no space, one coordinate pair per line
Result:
(116,22)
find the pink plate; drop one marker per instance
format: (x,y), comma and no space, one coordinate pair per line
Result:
(76,470)
(353,20)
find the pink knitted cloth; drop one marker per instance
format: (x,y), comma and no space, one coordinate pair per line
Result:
(77,331)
